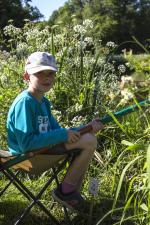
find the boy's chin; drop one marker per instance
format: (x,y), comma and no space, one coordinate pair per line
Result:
(46,88)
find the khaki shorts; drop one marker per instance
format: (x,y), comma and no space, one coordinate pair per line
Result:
(43,162)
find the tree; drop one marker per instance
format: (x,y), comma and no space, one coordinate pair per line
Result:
(17,10)
(114,20)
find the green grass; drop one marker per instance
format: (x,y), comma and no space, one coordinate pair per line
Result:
(12,203)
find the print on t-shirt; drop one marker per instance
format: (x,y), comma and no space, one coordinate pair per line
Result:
(43,123)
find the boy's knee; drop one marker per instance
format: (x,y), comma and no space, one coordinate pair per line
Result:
(90,140)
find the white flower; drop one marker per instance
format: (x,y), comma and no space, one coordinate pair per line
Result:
(127,94)
(126,79)
(79,29)
(88,24)
(22,48)
(11,30)
(4,80)
(89,40)
(111,44)
(122,68)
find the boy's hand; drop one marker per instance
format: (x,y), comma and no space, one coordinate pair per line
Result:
(97,126)
(73,136)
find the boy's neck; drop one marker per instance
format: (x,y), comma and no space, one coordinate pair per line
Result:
(36,94)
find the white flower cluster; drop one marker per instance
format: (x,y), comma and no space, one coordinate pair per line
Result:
(81,29)
(38,39)
(88,40)
(11,30)
(58,39)
(111,44)
(32,34)
(122,68)
(78,120)
(22,49)
(106,81)
(80,45)
(127,94)
(4,55)
(88,24)
(4,78)
(88,62)
(100,61)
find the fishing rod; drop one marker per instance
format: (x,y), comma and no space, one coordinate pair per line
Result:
(106,119)
(118,114)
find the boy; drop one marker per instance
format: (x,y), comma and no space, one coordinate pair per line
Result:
(31,126)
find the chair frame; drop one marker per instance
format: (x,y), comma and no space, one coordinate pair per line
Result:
(5,168)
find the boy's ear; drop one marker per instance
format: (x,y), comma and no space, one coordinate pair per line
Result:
(26,76)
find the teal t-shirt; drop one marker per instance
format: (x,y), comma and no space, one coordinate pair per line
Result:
(31,125)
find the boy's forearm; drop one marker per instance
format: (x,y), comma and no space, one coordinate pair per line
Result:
(34,142)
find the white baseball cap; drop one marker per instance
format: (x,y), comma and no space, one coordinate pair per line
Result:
(39,61)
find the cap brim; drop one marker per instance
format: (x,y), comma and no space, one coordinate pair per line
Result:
(40,68)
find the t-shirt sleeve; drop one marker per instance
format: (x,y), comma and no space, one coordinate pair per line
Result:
(27,138)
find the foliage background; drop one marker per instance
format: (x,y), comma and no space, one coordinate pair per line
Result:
(95,77)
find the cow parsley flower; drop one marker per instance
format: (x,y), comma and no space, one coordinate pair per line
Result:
(122,68)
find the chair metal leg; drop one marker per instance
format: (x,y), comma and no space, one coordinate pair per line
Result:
(7,186)
(28,194)
(10,175)
(22,188)
(35,199)
(27,210)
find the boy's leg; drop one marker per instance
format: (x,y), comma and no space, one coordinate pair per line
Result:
(42,163)
(67,193)
(78,168)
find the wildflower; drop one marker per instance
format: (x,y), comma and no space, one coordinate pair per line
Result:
(125,80)
(22,49)
(88,40)
(100,61)
(79,29)
(127,94)
(88,23)
(5,54)
(111,44)
(4,79)
(11,30)
(122,68)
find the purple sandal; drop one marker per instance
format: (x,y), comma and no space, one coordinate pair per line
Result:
(73,201)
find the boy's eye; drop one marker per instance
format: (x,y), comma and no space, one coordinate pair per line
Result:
(45,73)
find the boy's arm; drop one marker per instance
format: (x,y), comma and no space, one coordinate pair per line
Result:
(25,133)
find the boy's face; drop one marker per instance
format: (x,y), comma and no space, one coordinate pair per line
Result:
(42,81)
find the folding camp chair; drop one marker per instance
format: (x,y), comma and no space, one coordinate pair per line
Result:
(11,166)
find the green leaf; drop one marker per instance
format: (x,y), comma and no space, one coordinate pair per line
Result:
(128,143)
(144,207)
(122,177)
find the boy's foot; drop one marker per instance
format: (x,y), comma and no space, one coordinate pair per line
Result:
(73,201)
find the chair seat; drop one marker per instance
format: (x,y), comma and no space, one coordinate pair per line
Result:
(6,156)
